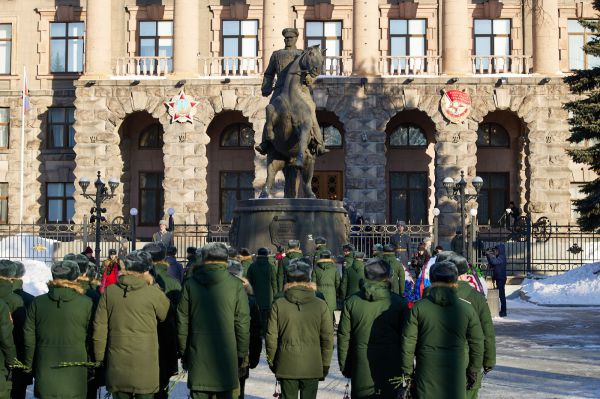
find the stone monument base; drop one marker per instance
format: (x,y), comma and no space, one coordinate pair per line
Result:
(271,222)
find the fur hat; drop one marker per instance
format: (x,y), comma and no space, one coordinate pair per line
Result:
(112,251)
(65,270)
(262,252)
(235,268)
(320,241)
(20,270)
(88,250)
(232,252)
(388,248)
(444,255)
(215,251)
(244,252)
(293,244)
(348,247)
(171,251)
(8,268)
(298,271)
(138,261)
(157,250)
(378,270)
(325,255)
(359,255)
(378,248)
(462,266)
(443,272)
(82,261)
(191,251)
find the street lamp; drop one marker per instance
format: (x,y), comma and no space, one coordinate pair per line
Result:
(171,212)
(436,213)
(133,212)
(472,231)
(456,190)
(98,198)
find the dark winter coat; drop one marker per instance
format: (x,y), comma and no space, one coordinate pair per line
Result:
(262,276)
(90,289)
(317,254)
(57,330)
(175,269)
(17,309)
(281,277)
(7,349)
(255,328)
(19,323)
(498,263)
(444,334)
(398,272)
(352,279)
(125,335)
(328,280)
(369,336)
(299,339)
(213,328)
(246,261)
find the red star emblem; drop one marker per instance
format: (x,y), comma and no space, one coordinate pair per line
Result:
(182,108)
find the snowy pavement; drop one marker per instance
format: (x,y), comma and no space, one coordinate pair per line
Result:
(542,353)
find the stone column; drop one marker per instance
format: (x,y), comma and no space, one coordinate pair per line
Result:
(185,30)
(98,38)
(456,38)
(275,20)
(545,37)
(366,38)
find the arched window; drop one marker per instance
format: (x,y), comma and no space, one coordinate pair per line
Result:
(408,135)
(237,135)
(152,137)
(332,136)
(492,135)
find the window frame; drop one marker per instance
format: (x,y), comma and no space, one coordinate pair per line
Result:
(324,38)
(65,200)
(2,199)
(587,36)
(239,135)
(10,51)
(406,36)
(487,176)
(159,196)
(7,124)
(238,190)
(156,39)
(408,190)
(160,139)
(489,145)
(492,35)
(408,125)
(239,36)
(66,129)
(67,38)
(323,126)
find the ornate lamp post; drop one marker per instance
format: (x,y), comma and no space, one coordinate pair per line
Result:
(133,212)
(456,190)
(436,213)
(98,198)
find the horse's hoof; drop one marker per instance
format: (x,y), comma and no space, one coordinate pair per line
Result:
(264,194)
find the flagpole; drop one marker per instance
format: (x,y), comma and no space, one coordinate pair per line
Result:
(22,172)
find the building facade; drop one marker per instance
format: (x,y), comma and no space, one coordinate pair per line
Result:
(100,75)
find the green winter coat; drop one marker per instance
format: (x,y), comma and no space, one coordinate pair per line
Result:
(299,339)
(19,323)
(352,279)
(444,334)
(328,281)
(57,330)
(262,276)
(398,269)
(17,309)
(125,333)
(246,261)
(7,349)
(213,328)
(281,276)
(255,329)
(315,256)
(90,289)
(466,292)
(369,336)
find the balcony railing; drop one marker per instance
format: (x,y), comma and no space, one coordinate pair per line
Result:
(144,66)
(410,65)
(230,66)
(337,66)
(501,64)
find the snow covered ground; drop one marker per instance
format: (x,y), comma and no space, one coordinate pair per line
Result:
(579,286)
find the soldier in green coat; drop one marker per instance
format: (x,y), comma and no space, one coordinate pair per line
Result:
(328,280)
(370,332)
(127,317)
(245,259)
(21,379)
(85,279)
(300,336)
(293,252)
(57,331)
(468,293)
(398,270)
(444,334)
(167,330)
(262,276)
(348,251)
(320,246)
(353,277)
(213,327)
(7,349)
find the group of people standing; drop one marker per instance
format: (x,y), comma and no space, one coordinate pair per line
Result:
(128,333)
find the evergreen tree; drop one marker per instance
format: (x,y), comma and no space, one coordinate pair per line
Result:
(585,127)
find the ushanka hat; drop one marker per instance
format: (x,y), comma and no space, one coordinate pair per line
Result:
(320,241)
(8,268)
(157,250)
(82,261)
(215,251)
(235,268)
(293,244)
(298,271)
(138,261)
(325,255)
(262,252)
(462,266)
(359,255)
(378,270)
(65,270)
(20,269)
(443,272)
(348,247)
(444,255)
(388,248)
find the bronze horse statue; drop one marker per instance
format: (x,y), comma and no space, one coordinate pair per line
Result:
(292,125)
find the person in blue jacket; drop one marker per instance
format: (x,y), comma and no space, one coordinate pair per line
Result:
(496,258)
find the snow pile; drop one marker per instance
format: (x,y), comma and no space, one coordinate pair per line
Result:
(579,286)
(37,275)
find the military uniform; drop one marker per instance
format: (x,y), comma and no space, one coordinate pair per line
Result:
(328,280)
(7,349)
(263,279)
(398,276)
(283,263)
(279,64)
(21,379)
(401,243)
(352,278)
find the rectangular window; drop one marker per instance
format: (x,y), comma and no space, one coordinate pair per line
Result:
(5,48)
(60,128)
(578,37)
(156,40)
(4,127)
(491,37)
(493,198)
(66,47)
(151,197)
(328,35)
(60,204)
(408,38)
(3,203)
(240,39)
(233,187)
(408,197)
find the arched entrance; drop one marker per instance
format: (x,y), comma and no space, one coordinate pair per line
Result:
(230,164)
(410,171)
(143,170)
(328,179)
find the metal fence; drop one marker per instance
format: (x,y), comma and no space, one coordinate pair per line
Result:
(540,247)
(365,236)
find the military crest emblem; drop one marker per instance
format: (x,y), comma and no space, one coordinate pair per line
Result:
(182,108)
(456,105)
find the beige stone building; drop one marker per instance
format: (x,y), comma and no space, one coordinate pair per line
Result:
(101,71)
